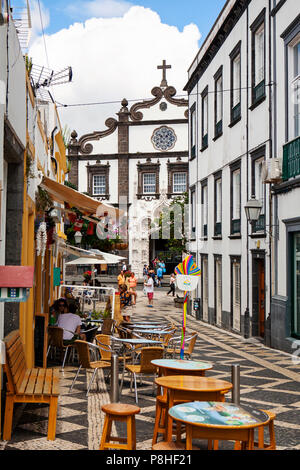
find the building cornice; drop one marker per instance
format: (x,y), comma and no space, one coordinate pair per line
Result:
(234,14)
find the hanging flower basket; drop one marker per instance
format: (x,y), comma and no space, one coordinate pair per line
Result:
(121,246)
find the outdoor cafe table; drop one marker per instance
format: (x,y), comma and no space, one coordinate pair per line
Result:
(213,420)
(181,367)
(185,388)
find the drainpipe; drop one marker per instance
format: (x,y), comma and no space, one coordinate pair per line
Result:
(247,314)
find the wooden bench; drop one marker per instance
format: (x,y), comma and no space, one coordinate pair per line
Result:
(27,385)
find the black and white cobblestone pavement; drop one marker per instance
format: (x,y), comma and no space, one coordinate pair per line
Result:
(270,380)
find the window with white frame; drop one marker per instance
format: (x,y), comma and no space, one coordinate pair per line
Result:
(236,201)
(193,211)
(294,87)
(218,206)
(205,118)
(236,80)
(258,59)
(99,185)
(218,103)
(179,182)
(193,131)
(259,45)
(149,183)
(204,209)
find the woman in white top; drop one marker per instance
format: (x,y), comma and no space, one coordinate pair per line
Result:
(71,323)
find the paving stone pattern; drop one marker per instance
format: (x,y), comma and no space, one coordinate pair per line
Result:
(269,380)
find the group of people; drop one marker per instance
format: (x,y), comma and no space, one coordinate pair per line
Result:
(127,283)
(63,315)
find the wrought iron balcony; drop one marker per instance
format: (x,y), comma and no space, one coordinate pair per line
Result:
(291,159)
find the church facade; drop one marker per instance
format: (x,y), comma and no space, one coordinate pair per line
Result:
(139,162)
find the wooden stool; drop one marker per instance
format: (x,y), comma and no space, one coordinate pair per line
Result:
(160,426)
(119,412)
(173,445)
(261,444)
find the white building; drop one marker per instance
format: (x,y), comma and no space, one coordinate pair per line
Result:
(140,163)
(237,103)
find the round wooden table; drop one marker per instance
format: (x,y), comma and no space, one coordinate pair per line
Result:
(181,367)
(214,420)
(185,388)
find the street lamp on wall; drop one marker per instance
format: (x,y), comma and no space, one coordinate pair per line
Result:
(253,209)
(78,238)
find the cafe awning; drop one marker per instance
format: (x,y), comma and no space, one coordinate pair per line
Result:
(62,193)
(94,254)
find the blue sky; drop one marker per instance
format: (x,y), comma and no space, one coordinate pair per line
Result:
(172,12)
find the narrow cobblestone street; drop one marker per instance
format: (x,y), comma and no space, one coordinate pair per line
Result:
(269,380)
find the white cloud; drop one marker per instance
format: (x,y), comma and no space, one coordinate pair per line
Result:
(36,19)
(113,58)
(98,8)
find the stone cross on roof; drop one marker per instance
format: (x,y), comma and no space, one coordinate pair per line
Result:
(164,67)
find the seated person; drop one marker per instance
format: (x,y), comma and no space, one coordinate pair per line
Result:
(59,306)
(71,324)
(125,297)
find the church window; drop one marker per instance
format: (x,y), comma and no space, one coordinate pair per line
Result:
(99,184)
(179,183)
(163,138)
(149,183)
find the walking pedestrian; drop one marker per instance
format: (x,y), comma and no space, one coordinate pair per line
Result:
(159,273)
(121,280)
(172,284)
(150,290)
(132,287)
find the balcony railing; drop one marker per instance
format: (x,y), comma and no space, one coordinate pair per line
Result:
(291,159)
(205,141)
(236,112)
(218,128)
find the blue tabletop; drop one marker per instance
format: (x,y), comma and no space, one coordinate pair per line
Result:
(136,340)
(217,414)
(181,364)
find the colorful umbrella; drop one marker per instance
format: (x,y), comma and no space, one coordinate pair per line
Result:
(187,279)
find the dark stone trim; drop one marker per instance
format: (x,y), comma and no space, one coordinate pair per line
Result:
(235,237)
(277,8)
(289,32)
(140,155)
(258,20)
(215,237)
(158,122)
(258,235)
(13,147)
(203,148)
(176,167)
(257,103)
(229,23)
(98,169)
(217,136)
(148,167)
(233,123)
(287,186)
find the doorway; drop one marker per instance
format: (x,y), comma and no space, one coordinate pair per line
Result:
(258,295)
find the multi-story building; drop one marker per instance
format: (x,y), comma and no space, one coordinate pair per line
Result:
(238,87)
(139,162)
(31,145)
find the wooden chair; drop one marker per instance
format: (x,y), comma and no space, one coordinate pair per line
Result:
(174,345)
(55,335)
(28,385)
(108,326)
(148,354)
(84,350)
(124,413)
